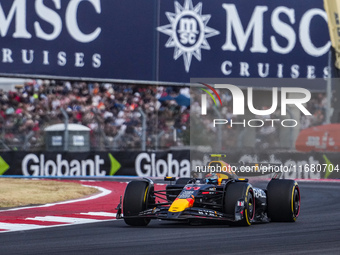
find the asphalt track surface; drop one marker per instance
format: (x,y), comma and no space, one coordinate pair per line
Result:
(317,231)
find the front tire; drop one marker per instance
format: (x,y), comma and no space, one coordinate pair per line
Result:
(236,191)
(283,200)
(135,201)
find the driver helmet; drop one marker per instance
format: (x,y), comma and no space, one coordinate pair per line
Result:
(211,178)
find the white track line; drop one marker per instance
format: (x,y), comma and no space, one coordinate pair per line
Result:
(62,219)
(106,214)
(17,227)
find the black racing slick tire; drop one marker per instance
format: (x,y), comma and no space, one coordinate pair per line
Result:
(236,191)
(283,197)
(135,201)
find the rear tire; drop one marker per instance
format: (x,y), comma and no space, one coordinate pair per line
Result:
(236,191)
(135,201)
(283,200)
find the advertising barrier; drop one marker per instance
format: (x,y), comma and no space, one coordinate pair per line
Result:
(315,165)
(54,164)
(157,40)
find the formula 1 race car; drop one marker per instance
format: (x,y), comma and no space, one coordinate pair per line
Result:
(218,196)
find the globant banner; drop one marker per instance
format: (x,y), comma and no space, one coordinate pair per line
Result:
(294,165)
(169,40)
(95,164)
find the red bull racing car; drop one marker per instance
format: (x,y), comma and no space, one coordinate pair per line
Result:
(218,196)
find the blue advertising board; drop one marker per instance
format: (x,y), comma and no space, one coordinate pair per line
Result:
(164,40)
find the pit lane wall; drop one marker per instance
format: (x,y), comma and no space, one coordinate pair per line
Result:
(177,163)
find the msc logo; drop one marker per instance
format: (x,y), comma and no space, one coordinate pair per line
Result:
(188,32)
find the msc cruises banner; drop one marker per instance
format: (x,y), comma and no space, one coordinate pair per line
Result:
(164,40)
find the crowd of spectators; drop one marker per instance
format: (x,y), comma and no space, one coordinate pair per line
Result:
(317,107)
(114,113)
